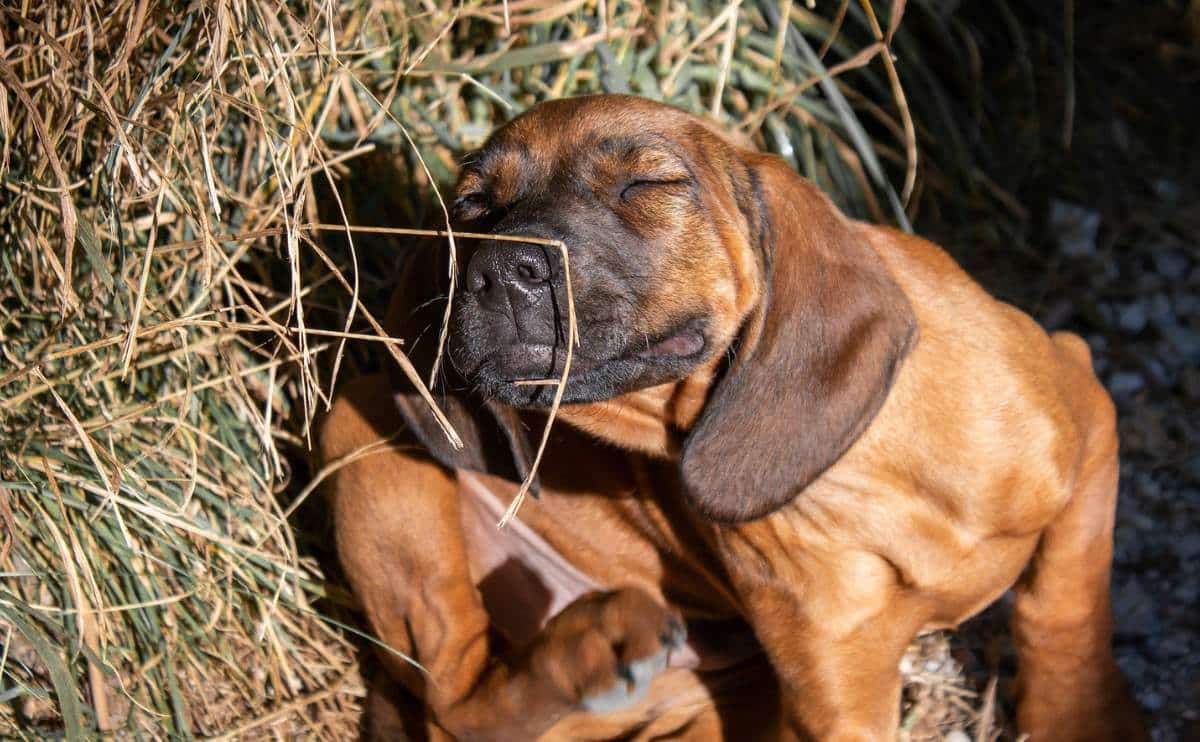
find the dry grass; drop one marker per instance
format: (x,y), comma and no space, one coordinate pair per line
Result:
(165,314)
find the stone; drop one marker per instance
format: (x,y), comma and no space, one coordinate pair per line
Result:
(1134,610)
(1125,383)
(1132,317)
(1188,546)
(1075,228)
(1172,264)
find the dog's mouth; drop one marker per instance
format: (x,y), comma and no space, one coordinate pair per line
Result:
(685,342)
(529,362)
(511,372)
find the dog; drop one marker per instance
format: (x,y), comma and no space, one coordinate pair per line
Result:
(789,442)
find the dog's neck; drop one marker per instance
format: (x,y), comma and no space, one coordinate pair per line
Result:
(653,421)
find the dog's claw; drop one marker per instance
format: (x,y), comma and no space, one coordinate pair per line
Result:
(644,670)
(675,635)
(632,684)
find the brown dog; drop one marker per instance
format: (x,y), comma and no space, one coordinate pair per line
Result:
(780,422)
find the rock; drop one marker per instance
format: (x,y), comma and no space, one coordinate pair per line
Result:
(1121,133)
(1166,189)
(1188,546)
(1125,383)
(1075,227)
(1176,646)
(1152,701)
(1160,310)
(1172,264)
(1144,481)
(1108,313)
(1185,340)
(1192,469)
(1157,370)
(1190,380)
(1057,314)
(1127,551)
(1144,522)
(1133,665)
(1132,317)
(1187,304)
(1134,610)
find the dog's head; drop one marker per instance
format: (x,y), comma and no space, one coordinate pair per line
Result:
(684,250)
(646,198)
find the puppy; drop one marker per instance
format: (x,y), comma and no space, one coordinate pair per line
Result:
(795,439)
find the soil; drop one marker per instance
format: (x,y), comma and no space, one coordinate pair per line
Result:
(1108,247)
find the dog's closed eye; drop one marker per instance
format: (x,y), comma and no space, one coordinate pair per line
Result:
(630,189)
(472,205)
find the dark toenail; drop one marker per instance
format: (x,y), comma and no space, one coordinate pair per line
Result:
(676,633)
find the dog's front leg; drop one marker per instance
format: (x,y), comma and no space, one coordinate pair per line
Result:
(1069,687)
(401,544)
(834,628)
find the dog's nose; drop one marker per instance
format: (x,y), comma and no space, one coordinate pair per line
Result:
(508,274)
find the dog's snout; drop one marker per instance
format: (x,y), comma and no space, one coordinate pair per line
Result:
(508,273)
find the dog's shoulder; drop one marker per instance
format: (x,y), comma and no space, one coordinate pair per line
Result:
(985,378)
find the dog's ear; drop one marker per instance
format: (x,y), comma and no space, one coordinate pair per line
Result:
(814,362)
(493,436)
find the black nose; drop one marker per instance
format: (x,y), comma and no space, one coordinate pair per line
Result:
(508,274)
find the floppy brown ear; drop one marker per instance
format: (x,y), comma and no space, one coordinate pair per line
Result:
(815,360)
(493,436)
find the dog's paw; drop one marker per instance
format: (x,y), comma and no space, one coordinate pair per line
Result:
(633,680)
(603,651)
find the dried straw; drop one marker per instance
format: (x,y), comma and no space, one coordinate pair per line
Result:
(176,306)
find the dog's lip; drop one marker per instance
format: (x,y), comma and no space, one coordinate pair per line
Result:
(686,341)
(518,360)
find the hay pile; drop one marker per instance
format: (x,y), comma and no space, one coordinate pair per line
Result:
(169,326)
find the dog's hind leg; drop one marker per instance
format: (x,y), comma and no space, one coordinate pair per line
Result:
(1069,687)
(392,714)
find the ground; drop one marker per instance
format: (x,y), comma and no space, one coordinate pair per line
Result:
(1109,247)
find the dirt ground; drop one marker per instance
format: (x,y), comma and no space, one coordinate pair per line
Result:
(1109,247)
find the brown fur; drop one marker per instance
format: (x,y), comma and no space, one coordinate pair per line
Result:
(889,449)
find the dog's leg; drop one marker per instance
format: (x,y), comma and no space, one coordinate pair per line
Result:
(1069,687)
(401,543)
(401,546)
(835,638)
(392,713)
